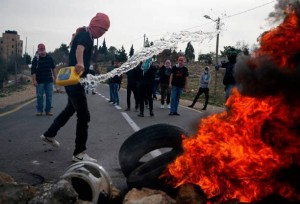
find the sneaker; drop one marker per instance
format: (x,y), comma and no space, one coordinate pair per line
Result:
(39,114)
(83,157)
(168,106)
(191,106)
(151,113)
(49,114)
(171,113)
(50,140)
(176,114)
(141,115)
(162,106)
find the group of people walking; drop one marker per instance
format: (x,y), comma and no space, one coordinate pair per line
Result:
(141,81)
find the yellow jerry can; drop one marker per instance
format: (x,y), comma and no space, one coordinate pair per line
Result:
(67,76)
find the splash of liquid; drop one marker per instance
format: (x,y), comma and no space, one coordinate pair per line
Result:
(170,41)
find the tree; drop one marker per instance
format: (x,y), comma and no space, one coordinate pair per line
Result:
(189,52)
(112,52)
(64,48)
(244,47)
(60,55)
(205,58)
(26,58)
(121,56)
(103,48)
(164,55)
(226,48)
(131,52)
(174,56)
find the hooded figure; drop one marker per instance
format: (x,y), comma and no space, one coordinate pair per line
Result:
(229,80)
(80,57)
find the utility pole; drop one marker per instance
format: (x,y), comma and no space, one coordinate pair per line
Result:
(217,58)
(217,53)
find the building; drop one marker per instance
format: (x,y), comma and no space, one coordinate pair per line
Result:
(10,44)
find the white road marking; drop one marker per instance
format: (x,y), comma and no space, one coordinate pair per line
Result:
(136,128)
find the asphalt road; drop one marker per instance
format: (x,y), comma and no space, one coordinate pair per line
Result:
(24,156)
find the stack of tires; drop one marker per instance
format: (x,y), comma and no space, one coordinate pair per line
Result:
(146,174)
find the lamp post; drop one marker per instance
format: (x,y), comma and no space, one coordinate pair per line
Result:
(217,51)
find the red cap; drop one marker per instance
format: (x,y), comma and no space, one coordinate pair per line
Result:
(100,20)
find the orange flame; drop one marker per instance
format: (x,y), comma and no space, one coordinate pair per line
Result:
(237,154)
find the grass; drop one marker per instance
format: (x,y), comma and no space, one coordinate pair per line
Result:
(216,88)
(9,87)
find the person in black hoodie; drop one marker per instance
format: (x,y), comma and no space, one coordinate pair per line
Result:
(146,78)
(80,57)
(132,86)
(229,80)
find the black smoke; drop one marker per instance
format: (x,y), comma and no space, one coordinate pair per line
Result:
(260,77)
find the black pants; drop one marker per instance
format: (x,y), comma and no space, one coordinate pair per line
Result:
(77,102)
(206,93)
(132,88)
(145,94)
(165,92)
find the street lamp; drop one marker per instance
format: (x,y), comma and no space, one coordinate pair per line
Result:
(217,50)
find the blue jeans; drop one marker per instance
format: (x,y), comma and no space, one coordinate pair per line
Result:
(42,88)
(111,92)
(175,96)
(115,93)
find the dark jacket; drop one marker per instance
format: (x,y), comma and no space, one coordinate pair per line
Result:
(229,73)
(164,74)
(43,67)
(148,77)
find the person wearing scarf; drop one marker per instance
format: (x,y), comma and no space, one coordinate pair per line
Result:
(146,77)
(80,57)
(164,76)
(203,88)
(43,75)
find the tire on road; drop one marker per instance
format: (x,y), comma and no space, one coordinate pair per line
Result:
(146,140)
(147,174)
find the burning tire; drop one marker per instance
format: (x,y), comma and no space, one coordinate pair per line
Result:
(146,140)
(147,174)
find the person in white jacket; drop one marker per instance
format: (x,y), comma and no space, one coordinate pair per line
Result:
(204,88)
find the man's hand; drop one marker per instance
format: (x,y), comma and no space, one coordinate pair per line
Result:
(79,68)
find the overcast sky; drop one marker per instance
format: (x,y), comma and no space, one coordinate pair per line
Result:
(53,21)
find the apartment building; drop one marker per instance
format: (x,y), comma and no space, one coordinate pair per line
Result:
(10,44)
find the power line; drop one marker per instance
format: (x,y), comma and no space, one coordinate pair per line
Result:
(242,12)
(249,10)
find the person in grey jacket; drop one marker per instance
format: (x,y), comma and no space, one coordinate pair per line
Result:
(204,88)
